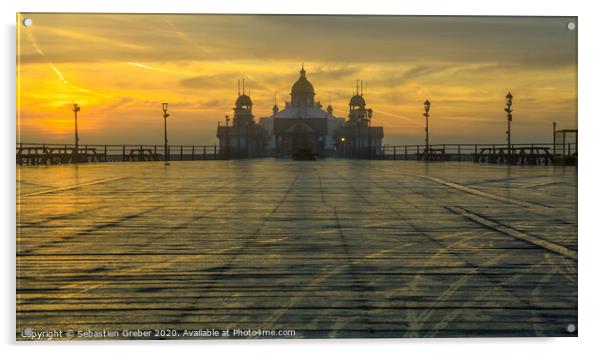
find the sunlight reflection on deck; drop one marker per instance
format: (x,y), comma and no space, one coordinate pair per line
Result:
(332,248)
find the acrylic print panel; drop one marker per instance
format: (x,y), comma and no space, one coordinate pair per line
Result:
(256,176)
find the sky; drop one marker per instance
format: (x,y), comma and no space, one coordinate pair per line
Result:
(119,68)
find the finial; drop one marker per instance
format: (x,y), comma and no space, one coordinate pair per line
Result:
(357,86)
(243,85)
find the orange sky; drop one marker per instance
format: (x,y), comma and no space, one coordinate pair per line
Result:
(120,68)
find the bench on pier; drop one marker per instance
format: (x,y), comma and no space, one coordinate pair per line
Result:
(524,155)
(44,155)
(142,154)
(431,154)
(65,155)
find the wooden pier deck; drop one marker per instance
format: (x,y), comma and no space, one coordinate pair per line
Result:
(328,249)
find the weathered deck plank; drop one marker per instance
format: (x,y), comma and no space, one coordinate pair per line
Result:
(332,248)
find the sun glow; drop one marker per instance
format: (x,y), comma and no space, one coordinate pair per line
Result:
(121,77)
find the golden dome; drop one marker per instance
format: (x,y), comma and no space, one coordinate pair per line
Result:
(357,101)
(302,85)
(244,100)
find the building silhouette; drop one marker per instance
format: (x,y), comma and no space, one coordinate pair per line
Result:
(303,125)
(244,138)
(358,138)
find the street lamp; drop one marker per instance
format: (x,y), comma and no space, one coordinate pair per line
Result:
(553,138)
(227,138)
(427,108)
(76,108)
(165,115)
(509,117)
(369,112)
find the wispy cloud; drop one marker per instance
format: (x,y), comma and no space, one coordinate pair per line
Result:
(121,67)
(152,68)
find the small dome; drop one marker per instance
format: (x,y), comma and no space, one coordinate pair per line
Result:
(357,101)
(302,85)
(244,100)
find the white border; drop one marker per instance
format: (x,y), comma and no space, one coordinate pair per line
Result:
(589,180)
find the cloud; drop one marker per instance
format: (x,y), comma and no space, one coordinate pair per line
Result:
(332,71)
(208,81)
(337,39)
(465,65)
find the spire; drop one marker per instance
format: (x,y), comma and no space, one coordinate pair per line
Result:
(357,86)
(302,70)
(239,87)
(275,108)
(243,85)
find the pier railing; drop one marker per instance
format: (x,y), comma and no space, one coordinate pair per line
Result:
(42,154)
(532,154)
(493,153)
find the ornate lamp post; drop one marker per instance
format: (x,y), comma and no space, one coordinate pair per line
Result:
(553,138)
(165,115)
(227,138)
(76,108)
(508,110)
(427,108)
(369,112)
